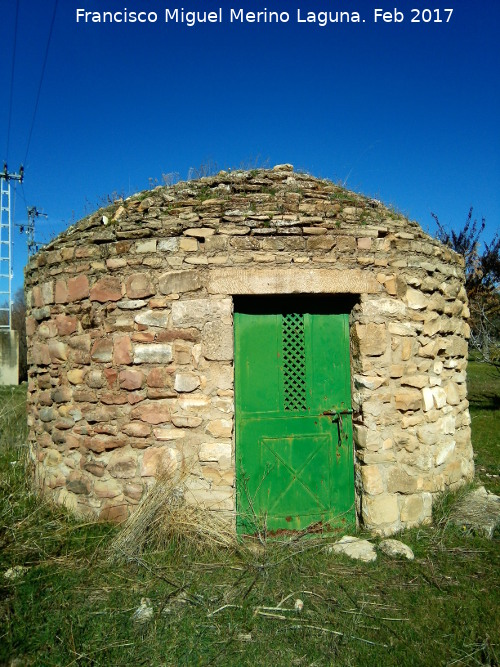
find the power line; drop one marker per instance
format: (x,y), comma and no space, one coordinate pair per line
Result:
(12,81)
(41,80)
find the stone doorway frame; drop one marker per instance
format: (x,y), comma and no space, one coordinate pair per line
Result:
(232,282)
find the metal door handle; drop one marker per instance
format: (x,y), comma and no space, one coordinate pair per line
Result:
(336,416)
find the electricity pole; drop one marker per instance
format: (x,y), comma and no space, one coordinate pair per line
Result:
(33,213)
(6,244)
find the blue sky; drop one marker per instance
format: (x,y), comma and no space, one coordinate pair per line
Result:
(405,112)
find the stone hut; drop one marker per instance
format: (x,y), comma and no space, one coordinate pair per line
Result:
(293,352)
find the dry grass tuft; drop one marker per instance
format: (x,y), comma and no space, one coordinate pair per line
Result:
(164,517)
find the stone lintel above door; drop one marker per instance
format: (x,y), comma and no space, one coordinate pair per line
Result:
(291,281)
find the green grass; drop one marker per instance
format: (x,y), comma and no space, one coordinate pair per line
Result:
(484,397)
(72,606)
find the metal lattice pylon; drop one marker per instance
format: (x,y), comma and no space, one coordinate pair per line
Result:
(5,256)
(6,247)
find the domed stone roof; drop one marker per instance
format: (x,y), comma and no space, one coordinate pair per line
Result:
(237,202)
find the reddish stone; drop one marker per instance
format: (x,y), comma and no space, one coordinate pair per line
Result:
(159,377)
(140,443)
(61,295)
(122,353)
(64,424)
(101,413)
(133,490)
(106,289)
(44,381)
(114,513)
(40,354)
(44,440)
(72,441)
(138,286)
(143,337)
(364,243)
(84,251)
(78,288)
(30,325)
(135,397)
(122,247)
(116,263)
(159,302)
(82,430)
(47,329)
(155,412)
(66,325)
(103,443)
(102,350)
(80,342)
(137,430)
(178,334)
(36,297)
(131,379)
(44,398)
(155,392)
(79,358)
(85,396)
(113,398)
(95,468)
(111,374)
(106,429)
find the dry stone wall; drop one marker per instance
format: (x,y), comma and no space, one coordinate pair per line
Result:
(131,341)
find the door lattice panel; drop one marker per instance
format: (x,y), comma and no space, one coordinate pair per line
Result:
(294,362)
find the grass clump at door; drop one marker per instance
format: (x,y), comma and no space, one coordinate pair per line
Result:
(69,604)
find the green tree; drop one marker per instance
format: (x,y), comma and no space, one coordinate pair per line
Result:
(482,280)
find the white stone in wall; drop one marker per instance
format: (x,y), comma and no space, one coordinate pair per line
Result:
(153,318)
(220,452)
(197,312)
(381,510)
(427,398)
(444,452)
(166,433)
(186,382)
(169,244)
(154,353)
(218,341)
(382,308)
(439,396)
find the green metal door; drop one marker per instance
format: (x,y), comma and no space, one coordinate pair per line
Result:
(294,461)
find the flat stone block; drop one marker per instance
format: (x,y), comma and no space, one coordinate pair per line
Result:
(289,281)
(380,510)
